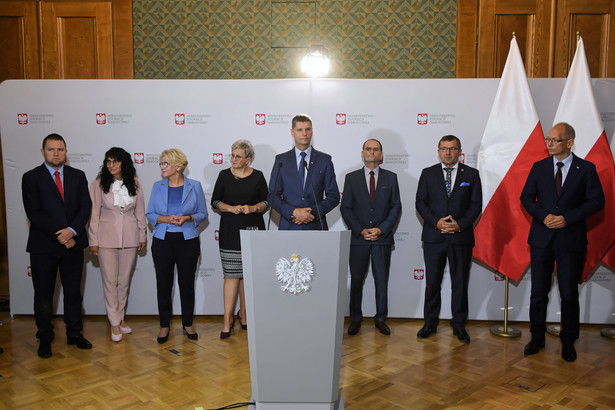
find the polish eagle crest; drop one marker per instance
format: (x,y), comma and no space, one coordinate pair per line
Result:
(294,275)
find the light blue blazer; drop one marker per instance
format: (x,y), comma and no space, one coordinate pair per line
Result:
(193,203)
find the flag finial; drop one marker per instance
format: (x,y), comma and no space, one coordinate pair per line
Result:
(514,34)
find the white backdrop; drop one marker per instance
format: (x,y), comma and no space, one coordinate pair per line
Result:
(204,117)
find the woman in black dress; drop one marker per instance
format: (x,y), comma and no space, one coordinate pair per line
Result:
(240,195)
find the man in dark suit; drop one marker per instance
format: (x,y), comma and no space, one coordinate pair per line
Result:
(560,193)
(57,203)
(302,187)
(371,207)
(449,199)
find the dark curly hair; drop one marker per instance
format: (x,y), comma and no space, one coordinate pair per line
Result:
(128,171)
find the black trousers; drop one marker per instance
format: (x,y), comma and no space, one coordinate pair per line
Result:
(569,270)
(360,256)
(44,268)
(459,260)
(173,251)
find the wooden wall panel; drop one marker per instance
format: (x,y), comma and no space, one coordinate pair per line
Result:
(77,40)
(19,41)
(498,19)
(467,32)
(594,21)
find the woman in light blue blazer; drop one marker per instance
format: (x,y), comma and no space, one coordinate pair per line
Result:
(175,210)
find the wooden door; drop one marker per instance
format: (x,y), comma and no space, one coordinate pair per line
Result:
(77,40)
(19,40)
(593,19)
(494,22)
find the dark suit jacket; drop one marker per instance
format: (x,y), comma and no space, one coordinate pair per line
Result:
(285,192)
(465,203)
(48,213)
(581,197)
(359,213)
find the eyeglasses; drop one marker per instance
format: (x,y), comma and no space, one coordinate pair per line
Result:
(233,156)
(163,164)
(554,141)
(113,162)
(451,149)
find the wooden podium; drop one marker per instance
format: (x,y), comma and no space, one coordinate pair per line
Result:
(295,287)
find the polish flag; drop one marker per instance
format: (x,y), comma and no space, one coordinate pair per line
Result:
(609,258)
(513,140)
(578,108)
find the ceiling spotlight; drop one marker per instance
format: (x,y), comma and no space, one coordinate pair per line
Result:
(316,62)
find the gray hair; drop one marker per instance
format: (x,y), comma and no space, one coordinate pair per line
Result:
(246,146)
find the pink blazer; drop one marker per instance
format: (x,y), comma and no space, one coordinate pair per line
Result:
(113,227)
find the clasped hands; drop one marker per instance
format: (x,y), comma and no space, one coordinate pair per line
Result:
(178,220)
(243,209)
(65,237)
(371,234)
(448,225)
(554,221)
(303,216)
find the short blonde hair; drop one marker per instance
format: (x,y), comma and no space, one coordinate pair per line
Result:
(175,156)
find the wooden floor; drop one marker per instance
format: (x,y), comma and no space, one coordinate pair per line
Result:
(378,372)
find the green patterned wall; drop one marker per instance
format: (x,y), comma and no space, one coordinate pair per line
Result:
(266,39)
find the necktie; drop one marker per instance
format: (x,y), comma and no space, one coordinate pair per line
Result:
(59,184)
(558,178)
(302,168)
(372,186)
(448,181)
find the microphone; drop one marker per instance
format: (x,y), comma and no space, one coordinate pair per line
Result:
(275,182)
(322,227)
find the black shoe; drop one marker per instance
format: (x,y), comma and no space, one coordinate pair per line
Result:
(461,334)
(244,327)
(191,336)
(44,349)
(569,353)
(163,339)
(354,327)
(226,335)
(79,341)
(382,327)
(534,346)
(426,331)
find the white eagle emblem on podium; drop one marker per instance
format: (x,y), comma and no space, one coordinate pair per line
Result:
(294,275)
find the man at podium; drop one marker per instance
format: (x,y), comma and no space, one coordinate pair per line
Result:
(302,187)
(371,207)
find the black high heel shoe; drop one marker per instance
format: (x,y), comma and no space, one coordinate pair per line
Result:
(225,335)
(191,336)
(163,339)
(244,327)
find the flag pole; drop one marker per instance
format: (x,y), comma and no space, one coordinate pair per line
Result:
(505,331)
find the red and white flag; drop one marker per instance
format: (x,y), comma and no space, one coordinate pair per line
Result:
(578,108)
(513,140)
(609,258)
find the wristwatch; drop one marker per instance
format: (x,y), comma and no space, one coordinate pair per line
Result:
(292,217)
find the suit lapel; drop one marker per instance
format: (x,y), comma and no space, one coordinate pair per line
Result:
(573,172)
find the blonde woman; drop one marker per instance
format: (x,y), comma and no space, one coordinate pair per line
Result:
(175,210)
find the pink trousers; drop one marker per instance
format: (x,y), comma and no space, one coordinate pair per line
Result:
(116,267)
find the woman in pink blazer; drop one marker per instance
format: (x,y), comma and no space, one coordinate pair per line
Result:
(117,231)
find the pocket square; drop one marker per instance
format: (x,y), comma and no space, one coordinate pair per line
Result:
(465,184)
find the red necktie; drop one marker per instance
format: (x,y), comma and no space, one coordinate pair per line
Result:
(59,184)
(558,178)
(372,186)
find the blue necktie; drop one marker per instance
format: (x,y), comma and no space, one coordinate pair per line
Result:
(302,169)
